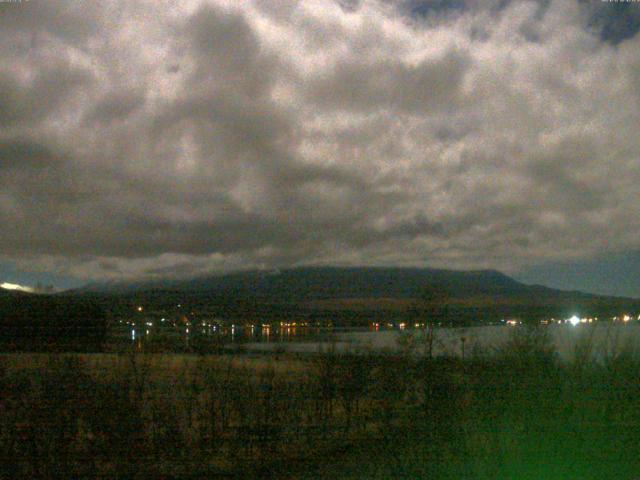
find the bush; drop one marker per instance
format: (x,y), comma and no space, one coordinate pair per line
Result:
(528,346)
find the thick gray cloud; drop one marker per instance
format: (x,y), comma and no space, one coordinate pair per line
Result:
(161,138)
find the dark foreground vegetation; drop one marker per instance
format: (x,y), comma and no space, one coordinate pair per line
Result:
(513,414)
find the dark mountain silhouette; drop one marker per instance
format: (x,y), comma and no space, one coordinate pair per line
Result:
(357,291)
(326,283)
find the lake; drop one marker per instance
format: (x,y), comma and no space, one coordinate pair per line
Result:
(605,337)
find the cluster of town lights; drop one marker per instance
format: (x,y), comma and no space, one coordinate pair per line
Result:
(574,320)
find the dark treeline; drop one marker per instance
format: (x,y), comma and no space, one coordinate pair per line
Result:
(515,413)
(51,322)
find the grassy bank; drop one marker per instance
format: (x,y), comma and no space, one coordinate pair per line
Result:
(517,413)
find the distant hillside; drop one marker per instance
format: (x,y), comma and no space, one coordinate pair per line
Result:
(360,289)
(321,283)
(319,295)
(325,283)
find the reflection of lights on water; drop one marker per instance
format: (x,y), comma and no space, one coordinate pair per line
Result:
(574,320)
(147,332)
(187,331)
(133,334)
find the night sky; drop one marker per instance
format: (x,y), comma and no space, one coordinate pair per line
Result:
(152,139)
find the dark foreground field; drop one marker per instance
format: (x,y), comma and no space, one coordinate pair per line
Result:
(514,414)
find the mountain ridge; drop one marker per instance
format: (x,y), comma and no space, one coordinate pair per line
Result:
(354,296)
(303,284)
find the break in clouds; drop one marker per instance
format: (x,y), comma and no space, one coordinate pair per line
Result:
(148,138)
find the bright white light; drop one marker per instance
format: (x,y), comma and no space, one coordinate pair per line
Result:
(574,320)
(14,286)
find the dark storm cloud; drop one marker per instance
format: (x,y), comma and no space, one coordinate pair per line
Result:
(33,101)
(148,139)
(616,21)
(349,5)
(356,87)
(70,21)
(228,51)
(428,7)
(25,155)
(114,106)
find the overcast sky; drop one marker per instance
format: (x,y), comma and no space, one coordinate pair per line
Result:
(175,138)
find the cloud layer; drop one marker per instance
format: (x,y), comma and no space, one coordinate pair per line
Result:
(165,138)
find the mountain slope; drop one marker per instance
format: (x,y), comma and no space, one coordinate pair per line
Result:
(314,283)
(357,294)
(321,284)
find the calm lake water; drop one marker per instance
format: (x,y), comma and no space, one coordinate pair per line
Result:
(604,338)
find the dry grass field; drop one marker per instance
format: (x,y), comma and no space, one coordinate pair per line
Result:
(519,413)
